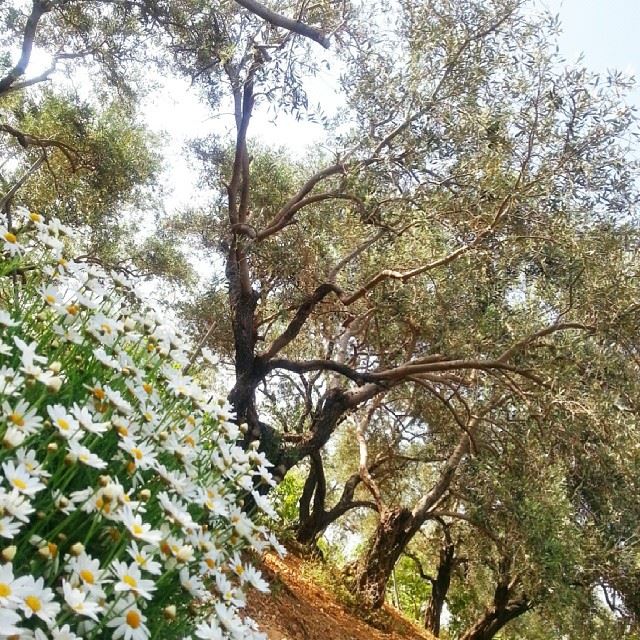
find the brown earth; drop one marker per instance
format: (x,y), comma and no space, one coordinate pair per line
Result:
(299,609)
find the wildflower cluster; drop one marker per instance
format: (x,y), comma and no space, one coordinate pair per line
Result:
(121,486)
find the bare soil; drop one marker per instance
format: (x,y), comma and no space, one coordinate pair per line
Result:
(299,609)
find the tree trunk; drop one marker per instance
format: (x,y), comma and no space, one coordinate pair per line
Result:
(314,517)
(398,526)
(312,512)
(494,619)
(439,589)
(395,529)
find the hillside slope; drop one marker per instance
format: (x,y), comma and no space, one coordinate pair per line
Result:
(299,609)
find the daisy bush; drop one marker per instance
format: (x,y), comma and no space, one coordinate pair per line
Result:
(121,484)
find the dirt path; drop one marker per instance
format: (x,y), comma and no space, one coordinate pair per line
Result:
(298,609)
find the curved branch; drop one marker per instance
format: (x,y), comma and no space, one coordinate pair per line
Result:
(283,217)
(525,342)
(26,140)
(38,9)
(301,316)
(304,366)
(278,20)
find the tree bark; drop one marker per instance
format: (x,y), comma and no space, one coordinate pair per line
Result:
(398,526)
(286,23)
(495,618)
(314,517)
(439,588)
(393,533)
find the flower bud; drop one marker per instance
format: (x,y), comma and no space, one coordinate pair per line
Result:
(54,383)
(52,447)
(144,495)
(77,549)
(55,367)
(9,553)
(170,612)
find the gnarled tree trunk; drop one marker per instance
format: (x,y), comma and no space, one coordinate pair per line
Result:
(394,531)
(439,588)
(314,517)
(495,618)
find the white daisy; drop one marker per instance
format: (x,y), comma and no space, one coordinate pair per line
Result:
(63,421)
(37,600)
(84,455)
(139,529)
(130,580)
(20,479)
(130,625)
(79,602)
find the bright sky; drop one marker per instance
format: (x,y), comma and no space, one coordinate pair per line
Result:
(605,31)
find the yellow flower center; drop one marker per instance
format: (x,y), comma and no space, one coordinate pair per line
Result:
(17,419)
(190,441)
(50,299)
(5,590)
(19,483)
(210,563)
(133,619)
(73,309)
(99,393)
(10,237)
(36,217)
(103,505)
(53,549)
(136,453)
(34,603)
(239,569)
(142,561)
(137,529)
(105,328)
(63,424)
(87,576)
(147,387)
(132,582)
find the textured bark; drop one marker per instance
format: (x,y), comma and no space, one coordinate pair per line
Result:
(439,588)
(315,518)
(394,531)
(495,618)
(398,526)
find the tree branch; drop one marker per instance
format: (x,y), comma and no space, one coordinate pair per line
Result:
(38,9)
(27,140)
(301,316)
(279,20)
